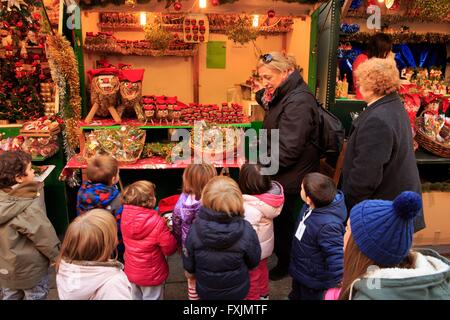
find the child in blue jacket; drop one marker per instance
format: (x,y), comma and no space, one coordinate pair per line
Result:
(221,246)
(101,192)
(317,259)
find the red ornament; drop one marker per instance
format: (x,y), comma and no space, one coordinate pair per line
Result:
(215,2)
(36,16)
(19,24)
(396,5)
(271,13)
(177,6)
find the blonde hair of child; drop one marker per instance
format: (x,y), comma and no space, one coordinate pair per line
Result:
(196,176)
(222,194)
(281,61)
(102,169)
(90,237)
(140,193)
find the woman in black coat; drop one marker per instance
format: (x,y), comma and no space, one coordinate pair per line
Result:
(291,108)
(379,161)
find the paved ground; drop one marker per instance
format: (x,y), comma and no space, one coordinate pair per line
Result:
(176,287)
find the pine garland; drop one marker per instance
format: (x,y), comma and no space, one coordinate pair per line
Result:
(402,37)
(242,31)
(436,186)
(64,70)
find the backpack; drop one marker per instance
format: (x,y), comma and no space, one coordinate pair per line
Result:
(331,135)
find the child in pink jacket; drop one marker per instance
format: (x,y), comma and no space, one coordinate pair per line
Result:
(148,241)
(263,201)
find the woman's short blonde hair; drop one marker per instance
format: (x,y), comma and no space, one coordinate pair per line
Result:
(140,193)
(280,62)
(222,194)
(378,75)
(90,237)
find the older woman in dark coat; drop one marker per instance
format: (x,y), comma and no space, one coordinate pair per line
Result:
(291,108)
(379,161)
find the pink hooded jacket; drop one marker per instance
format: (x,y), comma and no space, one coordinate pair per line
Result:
(260,210)
(147,241)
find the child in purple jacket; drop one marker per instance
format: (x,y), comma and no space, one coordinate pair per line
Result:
(195,177)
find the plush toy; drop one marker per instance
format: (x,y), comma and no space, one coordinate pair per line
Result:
(131,92)
(104,93)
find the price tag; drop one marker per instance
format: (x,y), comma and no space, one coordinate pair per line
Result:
(302,227)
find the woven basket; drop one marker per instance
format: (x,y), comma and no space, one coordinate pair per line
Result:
(435,147)
(122,161)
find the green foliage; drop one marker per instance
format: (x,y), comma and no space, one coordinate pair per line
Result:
(159,37)
(436,186)
(242,31)
(433,9)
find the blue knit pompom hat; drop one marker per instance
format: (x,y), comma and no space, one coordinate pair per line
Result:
(383,230)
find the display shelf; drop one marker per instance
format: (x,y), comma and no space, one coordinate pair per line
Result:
(79,162)
(111,124)
(119,27)
(148,53)
(424,157)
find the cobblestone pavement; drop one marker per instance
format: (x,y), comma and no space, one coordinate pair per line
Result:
(176,287)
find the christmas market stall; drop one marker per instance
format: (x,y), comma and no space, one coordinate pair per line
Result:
(148,69)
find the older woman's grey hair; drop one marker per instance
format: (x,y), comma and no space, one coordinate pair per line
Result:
(380,76)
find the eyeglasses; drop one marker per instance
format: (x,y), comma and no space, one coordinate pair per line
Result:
(266,58)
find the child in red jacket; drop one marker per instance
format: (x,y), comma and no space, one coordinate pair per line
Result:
(147,241)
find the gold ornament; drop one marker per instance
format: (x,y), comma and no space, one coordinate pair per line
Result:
(130,3)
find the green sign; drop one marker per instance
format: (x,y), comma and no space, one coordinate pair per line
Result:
(216,55)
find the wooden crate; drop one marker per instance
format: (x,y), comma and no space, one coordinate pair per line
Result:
(437,219)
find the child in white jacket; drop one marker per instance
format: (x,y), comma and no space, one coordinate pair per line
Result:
(85,270)
(263,201)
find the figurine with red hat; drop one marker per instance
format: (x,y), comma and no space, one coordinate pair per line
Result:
(162,113)
(104,93)
(131,91)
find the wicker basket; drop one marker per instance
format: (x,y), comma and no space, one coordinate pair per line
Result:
(212,154)
(435,147)
(121,161)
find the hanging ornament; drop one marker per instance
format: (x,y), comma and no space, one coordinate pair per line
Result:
(23,50)
(215,2)
(177,6)
(396,5)
(271,13)
(130,3)
(389,3)
(372,2)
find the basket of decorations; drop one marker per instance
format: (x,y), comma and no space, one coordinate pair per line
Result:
(125,144)
(41,127)
(214,142)
(433,135)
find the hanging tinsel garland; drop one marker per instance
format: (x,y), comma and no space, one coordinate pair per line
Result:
(64,71)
